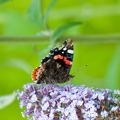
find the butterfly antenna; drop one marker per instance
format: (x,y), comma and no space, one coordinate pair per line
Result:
(80,68)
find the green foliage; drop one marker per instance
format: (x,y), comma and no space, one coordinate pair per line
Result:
(35,13)
(17,63)
(4,1)
(112,72)
(47,12)
(6,100)
(61,29)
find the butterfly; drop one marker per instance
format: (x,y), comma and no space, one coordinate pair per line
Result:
(55,67)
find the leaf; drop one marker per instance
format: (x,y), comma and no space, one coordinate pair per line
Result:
(35,13)
(43,33)
(47,12)
(17,63)
(6,100)
(112,74)
(61,29)
(4,1)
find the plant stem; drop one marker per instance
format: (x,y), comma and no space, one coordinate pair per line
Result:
(87,39)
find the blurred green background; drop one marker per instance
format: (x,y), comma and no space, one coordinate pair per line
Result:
(18,59)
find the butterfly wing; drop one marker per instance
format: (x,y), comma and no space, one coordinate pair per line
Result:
(56,66)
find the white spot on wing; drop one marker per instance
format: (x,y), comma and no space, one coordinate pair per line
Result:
(64,48)
(70,51)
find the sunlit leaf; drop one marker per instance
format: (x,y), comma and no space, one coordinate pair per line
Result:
(4,1)
(6,100)
(112,75)
(17,63)
(35,13)
(61,29)
(47,12)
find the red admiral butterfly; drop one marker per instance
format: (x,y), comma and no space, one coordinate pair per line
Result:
(56,66)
